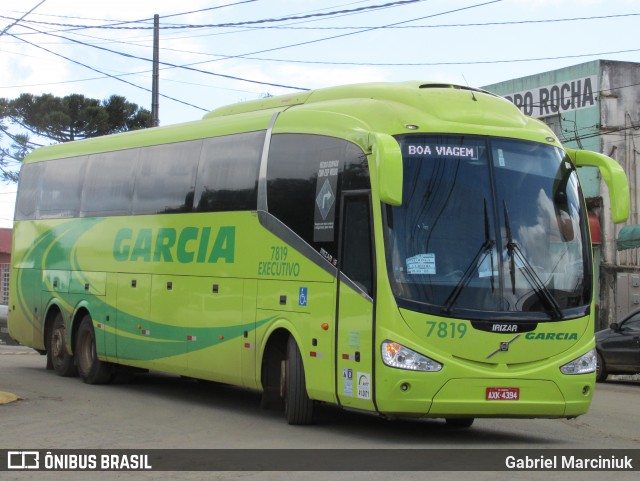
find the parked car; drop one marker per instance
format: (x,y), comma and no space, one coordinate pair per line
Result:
(618,347)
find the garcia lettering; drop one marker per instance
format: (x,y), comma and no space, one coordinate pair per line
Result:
(552,336)
(166,244)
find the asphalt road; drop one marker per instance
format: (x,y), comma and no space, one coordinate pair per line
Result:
(156,411)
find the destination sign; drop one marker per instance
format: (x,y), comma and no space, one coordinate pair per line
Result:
(443,151)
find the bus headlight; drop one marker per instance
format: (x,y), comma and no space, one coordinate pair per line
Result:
(396,355)
(585,364)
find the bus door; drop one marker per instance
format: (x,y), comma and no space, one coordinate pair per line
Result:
(355,323)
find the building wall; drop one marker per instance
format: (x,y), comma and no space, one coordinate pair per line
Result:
(567,100)
(620,139)
(594,106)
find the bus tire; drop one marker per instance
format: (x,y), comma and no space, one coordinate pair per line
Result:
(459,422)
(601,369)
(57,356)
(298,408)
(91,369)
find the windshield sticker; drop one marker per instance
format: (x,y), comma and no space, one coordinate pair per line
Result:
(501,161)
(422,264)
(444,151)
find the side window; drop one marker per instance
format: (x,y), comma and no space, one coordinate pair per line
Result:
(633,324)
(62,187)
(228,173)
(356,169)
(166,177)
(108,183)
(304,175)
(29,191)
(357,251)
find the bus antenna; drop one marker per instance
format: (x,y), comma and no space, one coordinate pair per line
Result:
(470,89)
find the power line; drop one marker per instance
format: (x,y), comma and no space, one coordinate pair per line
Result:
(20,19)
(397,24)
(449,25)
(456,25)
(222,57)
(106,74)
(129,21)
(422,64)
(171,65)
(245,55)
(118,26)
(209,8)
(141,72)
(599,133)
(191,68)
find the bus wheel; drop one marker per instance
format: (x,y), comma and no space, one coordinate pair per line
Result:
(57,356)
(459,422)
(298,408)
(91,369)
(601,369)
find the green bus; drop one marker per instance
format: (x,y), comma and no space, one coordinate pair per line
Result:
(407,249)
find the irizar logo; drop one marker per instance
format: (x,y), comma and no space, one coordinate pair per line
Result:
(504,328)
(166,244)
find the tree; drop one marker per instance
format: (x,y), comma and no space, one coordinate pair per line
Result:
(75,116)
(14,153)
(61,119)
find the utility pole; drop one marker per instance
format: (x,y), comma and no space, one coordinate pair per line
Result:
(155,119)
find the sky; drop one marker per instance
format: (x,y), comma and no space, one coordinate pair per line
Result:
(220,52)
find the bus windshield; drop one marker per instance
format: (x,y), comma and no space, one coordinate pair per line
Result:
(488,228)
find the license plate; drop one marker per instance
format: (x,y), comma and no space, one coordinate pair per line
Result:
(503,394)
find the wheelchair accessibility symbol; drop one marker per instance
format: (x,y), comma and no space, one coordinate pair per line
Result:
(302,296)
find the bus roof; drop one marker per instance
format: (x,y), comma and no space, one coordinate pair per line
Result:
(377,91)
(350,111)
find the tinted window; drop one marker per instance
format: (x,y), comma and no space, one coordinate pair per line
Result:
(488,226)
(356,169)
(165,182)
(62,187)
(303,177)
(108,184)
(632,324)
(228,173)
(29,191)
(357,258)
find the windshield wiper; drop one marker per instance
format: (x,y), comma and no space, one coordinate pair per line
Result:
(485,248)
(513,250)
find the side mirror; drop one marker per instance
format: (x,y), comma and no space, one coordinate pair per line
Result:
(388,159)
(614,177)
(614,326)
